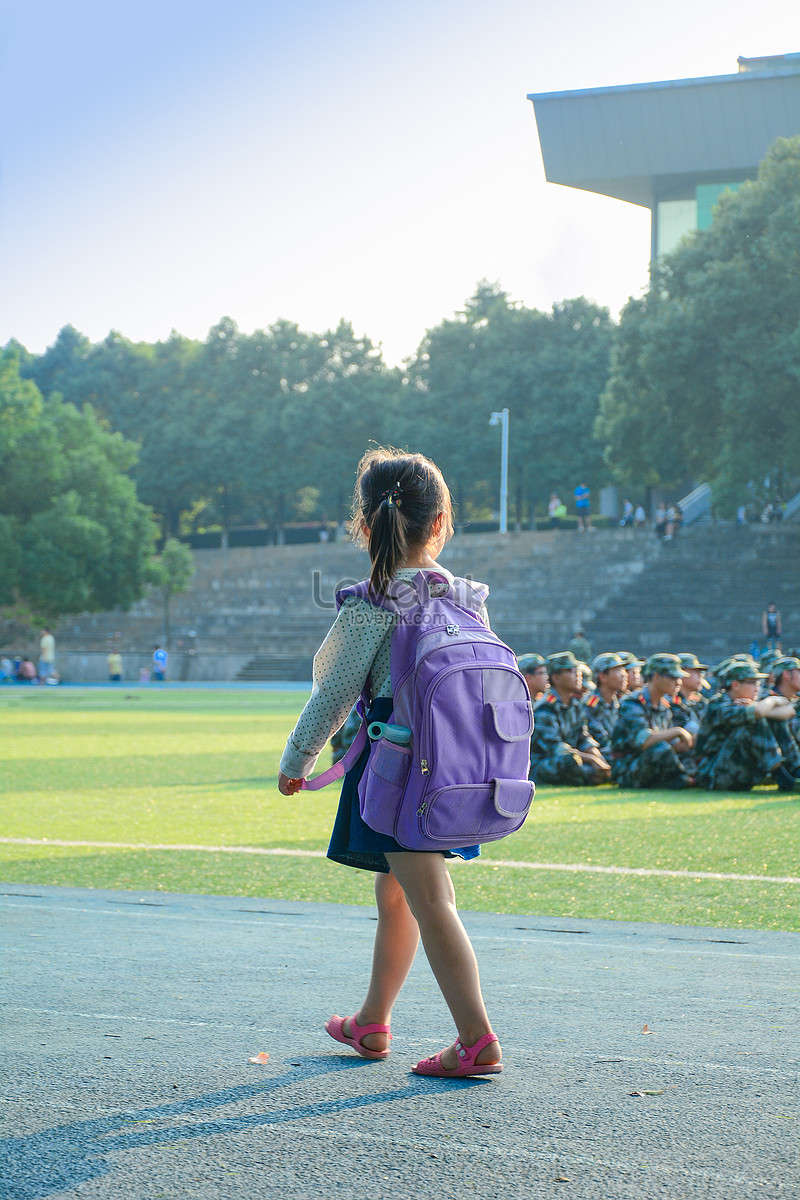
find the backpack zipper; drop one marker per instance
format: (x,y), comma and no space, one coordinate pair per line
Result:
(424,763)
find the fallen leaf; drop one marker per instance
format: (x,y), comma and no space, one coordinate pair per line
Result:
(656,1092)
(260,1058)
(647,1029)
(562,1179)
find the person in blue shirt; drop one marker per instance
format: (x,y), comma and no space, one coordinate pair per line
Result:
(582,507)
(160,657)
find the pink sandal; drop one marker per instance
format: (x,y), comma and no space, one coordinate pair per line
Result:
(335,1027)
(467,1064)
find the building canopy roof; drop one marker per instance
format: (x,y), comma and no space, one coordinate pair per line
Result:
(650,141)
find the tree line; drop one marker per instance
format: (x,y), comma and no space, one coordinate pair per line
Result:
(700,380)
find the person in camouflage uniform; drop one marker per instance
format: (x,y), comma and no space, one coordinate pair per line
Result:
(736,745)
(689,704)
(786,671)
(645,739)
(562,750)
(534,672)
(580,646)
(766,664)
(601,709)
(633,669)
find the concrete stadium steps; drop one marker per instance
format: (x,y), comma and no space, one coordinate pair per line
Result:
(705,593)
(262,611)
(263,668)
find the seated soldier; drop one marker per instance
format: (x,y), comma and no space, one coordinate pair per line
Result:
(562,749)
(736,746)
(645,743)
(786,671)
(689,704)
(601,709)
(767,661)
(534,671)
(633,667)
(586,684)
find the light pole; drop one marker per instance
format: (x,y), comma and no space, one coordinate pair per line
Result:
(501,418)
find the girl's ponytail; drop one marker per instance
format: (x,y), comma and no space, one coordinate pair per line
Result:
(397,498)
(389,537)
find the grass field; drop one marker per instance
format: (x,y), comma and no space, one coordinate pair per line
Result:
(175,768)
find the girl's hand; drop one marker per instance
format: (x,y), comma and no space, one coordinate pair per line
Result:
(288,786)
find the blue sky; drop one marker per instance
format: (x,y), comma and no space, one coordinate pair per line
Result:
(165,164)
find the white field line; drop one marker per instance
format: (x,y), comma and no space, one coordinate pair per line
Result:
(588,868)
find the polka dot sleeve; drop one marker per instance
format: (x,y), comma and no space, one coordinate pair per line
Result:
(359,640)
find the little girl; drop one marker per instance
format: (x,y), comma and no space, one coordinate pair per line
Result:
(402,512)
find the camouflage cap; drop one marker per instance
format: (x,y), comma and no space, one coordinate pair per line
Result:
(607,662)
(768,658)
(528,663)
(741,672)
(629,659)
(724,663)
(690,662)
(563,661)
(664,664)
(787,663)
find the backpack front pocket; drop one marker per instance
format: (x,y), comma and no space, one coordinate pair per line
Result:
(465,814)
(512,720)
(383,784)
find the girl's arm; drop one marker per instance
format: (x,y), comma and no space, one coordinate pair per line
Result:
(341,668)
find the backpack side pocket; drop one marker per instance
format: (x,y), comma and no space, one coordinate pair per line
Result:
(382,785)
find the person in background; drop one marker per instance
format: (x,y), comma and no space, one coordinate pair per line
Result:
(640,517)
(160,659)
(47,655)
(771,626)
(633,669)
(646,743)
(580,646)
(553,507)
(602,707)
(661,520)
(586,684)
(534,671)
(736,747)
(6,670)
(627,514)
(114,661)
(689,704)
(26,672)
(786,684)
(563,752)
(583,507)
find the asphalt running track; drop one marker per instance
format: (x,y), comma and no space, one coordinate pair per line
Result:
(641,1060)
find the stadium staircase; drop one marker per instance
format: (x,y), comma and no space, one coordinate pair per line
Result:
(259,613)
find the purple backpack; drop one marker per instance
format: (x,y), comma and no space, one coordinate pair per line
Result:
(461,777)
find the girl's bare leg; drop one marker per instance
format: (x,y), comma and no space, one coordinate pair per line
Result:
(396,941)
(431,898)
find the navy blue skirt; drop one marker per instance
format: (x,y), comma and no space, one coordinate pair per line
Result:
(353,843)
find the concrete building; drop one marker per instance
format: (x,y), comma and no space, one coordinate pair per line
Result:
(673,146)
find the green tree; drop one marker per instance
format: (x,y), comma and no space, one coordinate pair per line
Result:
(351,399)
(706,373)
(75,534)
(547,368)
(171,573)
